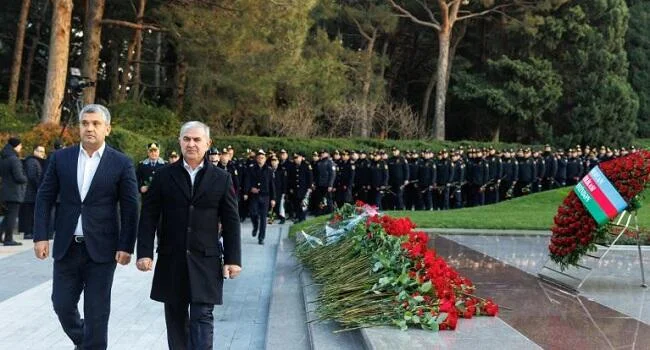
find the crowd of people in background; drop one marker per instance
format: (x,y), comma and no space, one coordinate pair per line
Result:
(272,185)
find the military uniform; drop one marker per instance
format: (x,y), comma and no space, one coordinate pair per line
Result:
(299,182)
(573,170)
(378,181)
(527,176)
(550,170)
(362,180)
(427,181)
(346,175)
(510,177)
(457,180)
(260,178)
(398,175)
(412,195)
(324,181)
(444,168)
(147,169)
(495,175)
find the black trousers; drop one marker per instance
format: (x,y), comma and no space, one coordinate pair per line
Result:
(75,273)
(259,210)
(9,222)
(26,218)
(193,331)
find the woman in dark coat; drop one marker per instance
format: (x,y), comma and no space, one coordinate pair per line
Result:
(34,169)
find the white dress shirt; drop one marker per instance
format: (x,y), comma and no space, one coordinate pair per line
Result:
(86,169)
(191,171)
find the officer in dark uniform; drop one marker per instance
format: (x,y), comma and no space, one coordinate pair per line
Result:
(527,174)
(398,175)
(378,180)
(324,181)
(260,192)
(346,175)
(427,180)
(457,179)
(313,204)
(495,175)
(560,175)
(361,177)
(280,183)
(480,174)
(283,155)
(574,168)
(412,195)
(443,181)
(147,168)
(540,170)
(550,169)
(299,183)
(226,163)
(510,167)
(242,169)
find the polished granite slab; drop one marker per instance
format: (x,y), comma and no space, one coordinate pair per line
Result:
(505,268)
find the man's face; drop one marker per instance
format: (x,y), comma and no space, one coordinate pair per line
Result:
(173,159)
(275,163)
(194,144)
(396,152)
(297,160)
(324,155)
(154,153)
(39,152)
(93,129)
(283,156)
(261,159)
(214,158)
(225,157)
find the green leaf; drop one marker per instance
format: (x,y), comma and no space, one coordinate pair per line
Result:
(419,298)
(426,287)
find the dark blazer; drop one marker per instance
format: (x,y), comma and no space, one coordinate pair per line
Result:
(113,183)
(13,176)
(189,253)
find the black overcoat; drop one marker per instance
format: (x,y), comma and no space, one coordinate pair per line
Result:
(189,266)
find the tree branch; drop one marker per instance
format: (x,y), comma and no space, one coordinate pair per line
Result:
(429,12)
(406,14)
(119,23)
(361,31)
(482,13)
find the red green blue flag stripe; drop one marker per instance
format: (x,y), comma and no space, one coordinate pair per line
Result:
(599,196)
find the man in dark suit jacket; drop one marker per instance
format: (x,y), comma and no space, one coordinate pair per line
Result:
(91,180)
(191,198)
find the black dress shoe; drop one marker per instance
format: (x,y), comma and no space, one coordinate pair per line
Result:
(28,236)
(254,232)
(282,221)
(260,242)
(12,243)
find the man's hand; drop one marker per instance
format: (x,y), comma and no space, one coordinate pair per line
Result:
(231,271)
(122,258)
(330,189)
(42,249)
(272,203)
(144,264)
(144,189)
(255,190)
(245,197)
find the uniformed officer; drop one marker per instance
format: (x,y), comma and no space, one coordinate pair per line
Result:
(495,175)
(527,173)
(457,179)
(540,171)
(213,155)
(361,176)
(550,169)
(173,157)
(574,168)
(560,174)
(280,182)
(345,175)
(260,191)
(398,175)
(147,168)
(324,181)
(510,167)
(299,183)
(379,175)
(226,163)
(443,181)
(479,178)
(412,195)
(427,180)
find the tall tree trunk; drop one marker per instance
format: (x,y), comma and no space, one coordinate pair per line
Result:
(36,40)
(114,70)
(92,45)
(138,51)
(181,79)
(158,68)
(124,82)
(441,82)
(365,92)
(426,100)
(497,133)
(18,54)
(57,65)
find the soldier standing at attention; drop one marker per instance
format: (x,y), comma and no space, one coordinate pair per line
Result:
(299,181)
(324,181)
(427,180)
(378,180)
(398,175)
(443,181)
(147,168)
(346,172)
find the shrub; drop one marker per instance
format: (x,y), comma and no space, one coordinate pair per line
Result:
(154,122)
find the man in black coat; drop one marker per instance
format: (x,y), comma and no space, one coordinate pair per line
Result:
(398,176)
(34,168)
(191,198)
(299,181)
(259,191)
(13,187)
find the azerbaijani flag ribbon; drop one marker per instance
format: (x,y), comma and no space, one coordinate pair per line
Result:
(599,196)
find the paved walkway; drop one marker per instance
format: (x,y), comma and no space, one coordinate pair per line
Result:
(27,320)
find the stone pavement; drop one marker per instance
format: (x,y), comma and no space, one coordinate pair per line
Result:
(27,320)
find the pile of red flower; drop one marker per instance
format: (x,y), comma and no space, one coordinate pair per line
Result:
(575,231)
(396,279)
